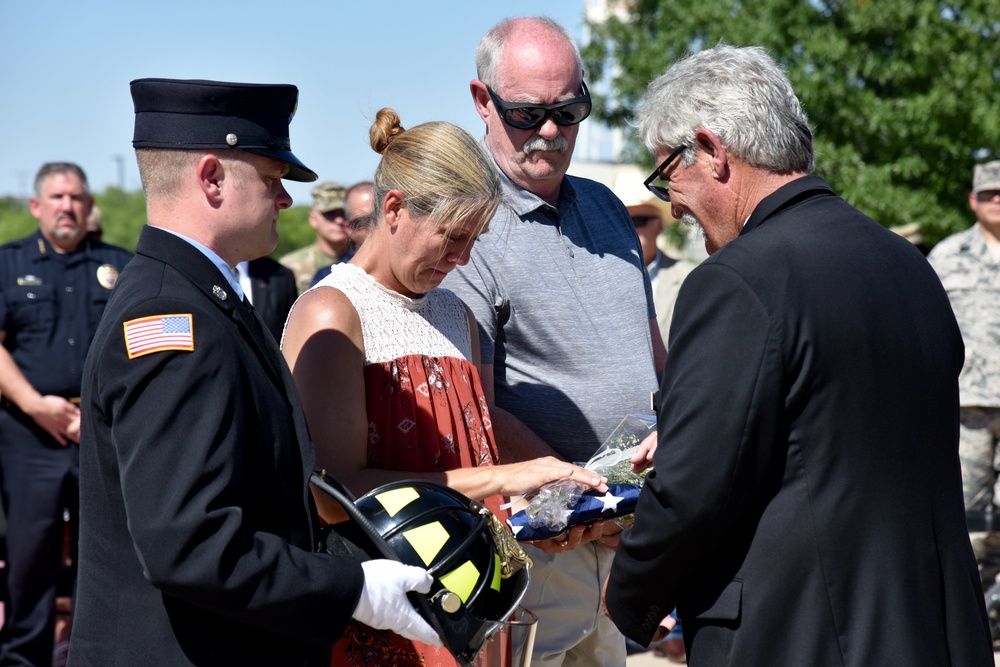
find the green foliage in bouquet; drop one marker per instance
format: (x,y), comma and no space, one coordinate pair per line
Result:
(621,472)
(614,460)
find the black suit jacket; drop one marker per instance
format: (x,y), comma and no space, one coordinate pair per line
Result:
(196,521)
(806,507)
(273,293)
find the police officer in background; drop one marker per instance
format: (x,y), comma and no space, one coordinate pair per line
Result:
(198,530)
(54,285)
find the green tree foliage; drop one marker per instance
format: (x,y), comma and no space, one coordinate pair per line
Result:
(294,230)
(124,214)
(902,95)
(15,219)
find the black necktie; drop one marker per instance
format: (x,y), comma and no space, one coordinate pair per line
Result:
(254,317)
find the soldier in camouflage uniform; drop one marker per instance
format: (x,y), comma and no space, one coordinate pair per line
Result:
(969,266)
(333,239)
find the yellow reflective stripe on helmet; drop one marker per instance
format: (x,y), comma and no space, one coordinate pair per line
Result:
(495,584)
(462,580)
(397,499)
(427,540)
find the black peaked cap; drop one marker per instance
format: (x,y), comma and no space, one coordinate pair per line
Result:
(175,113)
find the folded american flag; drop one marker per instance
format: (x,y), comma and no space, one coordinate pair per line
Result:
(619,501)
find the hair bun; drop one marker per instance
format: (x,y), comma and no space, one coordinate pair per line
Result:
(385,128)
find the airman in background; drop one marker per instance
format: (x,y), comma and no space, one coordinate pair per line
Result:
(333,235)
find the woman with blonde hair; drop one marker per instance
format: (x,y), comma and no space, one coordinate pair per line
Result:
(386,362)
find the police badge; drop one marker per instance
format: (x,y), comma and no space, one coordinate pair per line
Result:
(107,276)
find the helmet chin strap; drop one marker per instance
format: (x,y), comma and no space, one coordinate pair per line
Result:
(346,500)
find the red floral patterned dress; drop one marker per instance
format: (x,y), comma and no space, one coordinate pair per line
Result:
(426,413)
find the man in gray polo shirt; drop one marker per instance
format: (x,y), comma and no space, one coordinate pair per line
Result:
(568,335)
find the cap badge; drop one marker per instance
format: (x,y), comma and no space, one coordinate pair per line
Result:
(232,139)
(219,293)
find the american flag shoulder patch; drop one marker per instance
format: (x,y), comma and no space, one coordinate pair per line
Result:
(158,333)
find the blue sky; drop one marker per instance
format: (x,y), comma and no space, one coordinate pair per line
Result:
(65,68)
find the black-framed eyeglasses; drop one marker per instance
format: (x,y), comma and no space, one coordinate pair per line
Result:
(662,191)
(528,115)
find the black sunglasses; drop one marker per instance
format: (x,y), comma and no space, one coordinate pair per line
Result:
(528,115)
(662,191)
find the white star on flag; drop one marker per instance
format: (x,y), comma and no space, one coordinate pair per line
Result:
(610,501)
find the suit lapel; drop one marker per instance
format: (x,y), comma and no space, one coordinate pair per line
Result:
(205,277)
(265,341)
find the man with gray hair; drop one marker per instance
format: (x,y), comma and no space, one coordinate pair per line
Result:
(969,266)
(806,504)
(568,336)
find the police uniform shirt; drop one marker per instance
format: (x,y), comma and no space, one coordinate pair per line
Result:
(50,305)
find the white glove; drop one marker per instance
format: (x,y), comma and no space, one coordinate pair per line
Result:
(384,605)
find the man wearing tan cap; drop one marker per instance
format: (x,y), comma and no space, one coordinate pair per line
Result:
(333,235)
(969,266)
(666,271)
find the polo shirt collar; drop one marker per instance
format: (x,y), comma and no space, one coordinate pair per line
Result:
(523,202)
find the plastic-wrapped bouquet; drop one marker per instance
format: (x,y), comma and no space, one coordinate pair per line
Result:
(563,504)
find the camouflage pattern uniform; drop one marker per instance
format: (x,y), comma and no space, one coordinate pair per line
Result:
(970,272)
(305,262)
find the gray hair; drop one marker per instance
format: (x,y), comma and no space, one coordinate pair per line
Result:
(491,47)
(50,168)
(740,94)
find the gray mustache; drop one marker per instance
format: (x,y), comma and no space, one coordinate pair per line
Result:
(542,144)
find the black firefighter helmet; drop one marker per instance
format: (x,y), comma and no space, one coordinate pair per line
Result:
(479,570)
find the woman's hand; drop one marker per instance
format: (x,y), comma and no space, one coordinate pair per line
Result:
(523,478)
